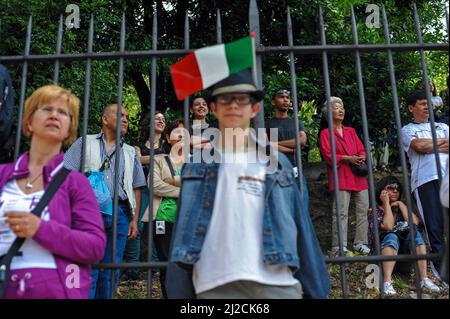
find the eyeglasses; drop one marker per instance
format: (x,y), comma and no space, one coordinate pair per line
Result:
(240,100)
(50,109)
(392,188)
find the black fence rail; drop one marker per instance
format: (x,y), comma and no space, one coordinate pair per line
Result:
(291,51)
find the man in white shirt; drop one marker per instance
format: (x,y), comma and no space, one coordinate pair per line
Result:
(418,143)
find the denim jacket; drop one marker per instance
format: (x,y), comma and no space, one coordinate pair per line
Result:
(288,234)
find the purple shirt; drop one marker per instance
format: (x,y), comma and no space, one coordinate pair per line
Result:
(75,233)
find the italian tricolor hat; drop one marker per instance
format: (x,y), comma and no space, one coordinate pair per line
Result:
(240,82)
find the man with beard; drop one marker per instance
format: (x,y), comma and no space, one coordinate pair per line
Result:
(281,101)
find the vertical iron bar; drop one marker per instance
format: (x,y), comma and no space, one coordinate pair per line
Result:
(186,100)
(427,91)
(398,123)
(23,88)
(87,93)
(333,152)
(362,103)
(431,113)
(58,49)
(446,17)
(117,154)
(218,27)
(298,146)
(254,27)
(152,151)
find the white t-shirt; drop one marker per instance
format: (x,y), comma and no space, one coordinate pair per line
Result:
(33,254)
(423,166)
(436,100)
(233,246)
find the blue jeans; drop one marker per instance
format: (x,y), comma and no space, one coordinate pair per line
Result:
(101,284)
(133,246)
(392,240)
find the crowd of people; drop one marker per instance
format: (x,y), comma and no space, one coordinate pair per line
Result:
(231,225)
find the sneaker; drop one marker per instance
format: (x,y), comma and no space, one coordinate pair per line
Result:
(347,253)
(362,249)
(426,283)
(389,289)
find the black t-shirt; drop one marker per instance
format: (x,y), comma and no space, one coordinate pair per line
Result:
(286,131)
(145,151)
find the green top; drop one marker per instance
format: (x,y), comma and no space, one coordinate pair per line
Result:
(167,210)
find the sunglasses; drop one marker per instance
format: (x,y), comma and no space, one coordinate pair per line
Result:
(392,188)
(282,91)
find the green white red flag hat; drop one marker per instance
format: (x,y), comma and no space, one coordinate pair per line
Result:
(207,66)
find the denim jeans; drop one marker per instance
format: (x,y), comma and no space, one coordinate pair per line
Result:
(101,284)
(133,246)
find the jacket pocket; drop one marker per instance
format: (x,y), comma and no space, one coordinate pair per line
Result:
(285,179)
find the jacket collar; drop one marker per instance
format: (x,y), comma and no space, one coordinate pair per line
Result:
(53,166)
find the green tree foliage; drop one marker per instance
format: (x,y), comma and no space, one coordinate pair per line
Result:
(171,14)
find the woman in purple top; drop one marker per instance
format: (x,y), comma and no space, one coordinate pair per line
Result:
(392,221)
(60,246)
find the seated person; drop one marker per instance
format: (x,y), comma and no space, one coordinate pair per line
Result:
(392,216)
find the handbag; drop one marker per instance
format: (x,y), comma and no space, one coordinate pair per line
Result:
(5,260)
(101,191)
(358,170)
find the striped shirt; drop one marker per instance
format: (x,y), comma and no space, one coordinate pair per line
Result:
(72,160)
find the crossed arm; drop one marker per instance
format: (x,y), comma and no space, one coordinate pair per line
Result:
(288,146)
(425,145)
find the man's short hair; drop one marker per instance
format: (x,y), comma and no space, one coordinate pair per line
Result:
(414,96)
(280,91)
(107,108)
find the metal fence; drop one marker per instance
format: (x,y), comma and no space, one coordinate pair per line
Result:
(291,51)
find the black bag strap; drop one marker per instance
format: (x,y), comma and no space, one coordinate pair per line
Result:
(169,163)
(48,195)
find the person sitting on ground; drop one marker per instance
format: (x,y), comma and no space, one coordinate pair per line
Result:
(392,223)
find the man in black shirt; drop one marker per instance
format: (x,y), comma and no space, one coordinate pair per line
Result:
(281,101)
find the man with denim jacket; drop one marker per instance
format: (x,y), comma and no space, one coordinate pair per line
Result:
(243,230)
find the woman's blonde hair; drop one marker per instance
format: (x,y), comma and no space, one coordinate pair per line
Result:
(334,100)
(46,94)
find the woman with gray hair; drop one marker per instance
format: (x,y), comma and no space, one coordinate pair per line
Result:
(349,152)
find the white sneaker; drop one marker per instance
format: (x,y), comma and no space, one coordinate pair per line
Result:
(426,283)
(347,253)
(362,249)
(389,289)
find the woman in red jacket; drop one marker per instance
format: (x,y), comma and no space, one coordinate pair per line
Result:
(349,150)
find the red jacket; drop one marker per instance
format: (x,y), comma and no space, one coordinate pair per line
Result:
(353,146)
